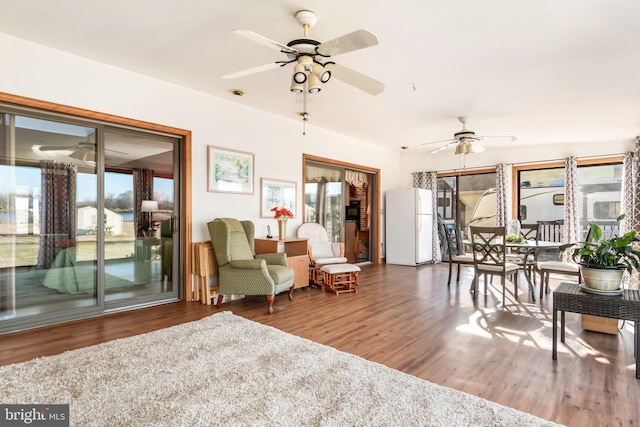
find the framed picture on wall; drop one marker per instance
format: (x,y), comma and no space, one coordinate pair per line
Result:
(275,192)
(229,171)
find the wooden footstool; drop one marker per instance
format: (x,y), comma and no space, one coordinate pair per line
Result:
(340,278)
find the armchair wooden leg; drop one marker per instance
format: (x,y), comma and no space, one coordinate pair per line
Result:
(219,301)
(449,279)
(270,299)
(291,289)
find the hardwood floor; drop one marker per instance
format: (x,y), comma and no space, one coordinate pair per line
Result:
(407,318)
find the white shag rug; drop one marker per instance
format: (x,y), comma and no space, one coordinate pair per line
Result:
(226,370)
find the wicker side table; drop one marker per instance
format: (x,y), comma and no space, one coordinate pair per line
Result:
(569,297)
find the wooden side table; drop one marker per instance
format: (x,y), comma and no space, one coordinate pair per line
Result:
(297,258)
(569,297)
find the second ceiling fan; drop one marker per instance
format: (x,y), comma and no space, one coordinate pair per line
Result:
(312,65)
(466,141)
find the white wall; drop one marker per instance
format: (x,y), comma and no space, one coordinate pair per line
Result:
(35,71)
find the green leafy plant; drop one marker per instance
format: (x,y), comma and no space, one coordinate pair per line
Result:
(514,238)
(615,252)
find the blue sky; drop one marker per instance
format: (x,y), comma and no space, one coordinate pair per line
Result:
(115,183)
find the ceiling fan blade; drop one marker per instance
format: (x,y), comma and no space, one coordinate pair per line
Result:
(115,151)
(54,148)
(482,138)
(265,41)
(253,70)
(358,39)
(444,147)
(478,148)
(84,155)
(356,79)
(440,142)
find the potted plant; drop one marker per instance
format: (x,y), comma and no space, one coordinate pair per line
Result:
(603,261)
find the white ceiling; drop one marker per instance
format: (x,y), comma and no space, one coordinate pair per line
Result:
(545,71)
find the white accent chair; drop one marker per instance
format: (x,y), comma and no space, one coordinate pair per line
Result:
(320,250)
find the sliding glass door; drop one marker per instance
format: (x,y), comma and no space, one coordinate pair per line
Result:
(139,213)
(87,218)
(45,266)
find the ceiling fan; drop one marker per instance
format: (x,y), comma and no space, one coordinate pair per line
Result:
(312,66)
(465,140)
(84,150)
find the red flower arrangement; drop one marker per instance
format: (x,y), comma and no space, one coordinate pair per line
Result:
(281,214)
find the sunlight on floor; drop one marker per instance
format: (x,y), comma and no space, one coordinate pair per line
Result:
(481,324)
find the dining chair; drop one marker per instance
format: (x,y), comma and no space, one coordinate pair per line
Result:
(550,231)
(522,256)
(455,250)
(546,268)
(489,258)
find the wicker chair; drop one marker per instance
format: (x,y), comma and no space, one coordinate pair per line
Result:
(240,270)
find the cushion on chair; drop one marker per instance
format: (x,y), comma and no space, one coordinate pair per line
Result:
(313,231)
(340,268)
(463,258)
(559,266)
(332,260)
(322,250)
(282,276)
(498,268)
(238,244)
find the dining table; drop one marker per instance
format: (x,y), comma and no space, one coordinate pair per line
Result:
(525,250)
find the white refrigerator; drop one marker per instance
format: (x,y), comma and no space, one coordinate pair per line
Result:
(409,226)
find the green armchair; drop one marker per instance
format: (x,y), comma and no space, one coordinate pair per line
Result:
(240,270)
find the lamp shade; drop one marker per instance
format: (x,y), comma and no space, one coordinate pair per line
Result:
(296,87)
(314,83)
(323,74)
(466,146)
(148,206)
(299,74)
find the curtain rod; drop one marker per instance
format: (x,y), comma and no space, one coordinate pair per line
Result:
(599,156)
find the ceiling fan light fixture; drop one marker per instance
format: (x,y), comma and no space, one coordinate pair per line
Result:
(466,147)
(321,72)
(299,73)
(296,87)
(314,84)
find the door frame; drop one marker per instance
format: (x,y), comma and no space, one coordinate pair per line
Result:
(375,215)
(185,195)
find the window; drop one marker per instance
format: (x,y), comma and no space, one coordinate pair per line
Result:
(541,194)
(467,199)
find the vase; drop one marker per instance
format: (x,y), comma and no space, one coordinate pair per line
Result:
(282,229)
(603,279)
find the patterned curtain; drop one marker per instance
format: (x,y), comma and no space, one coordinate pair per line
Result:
(571,226)
(143,181)
(503,195)
(57,210)
(631,202)
(429,181)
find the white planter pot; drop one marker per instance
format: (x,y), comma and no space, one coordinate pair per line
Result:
(604,279)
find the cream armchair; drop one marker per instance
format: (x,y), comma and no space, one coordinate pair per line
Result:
(320,250)
(240,270)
